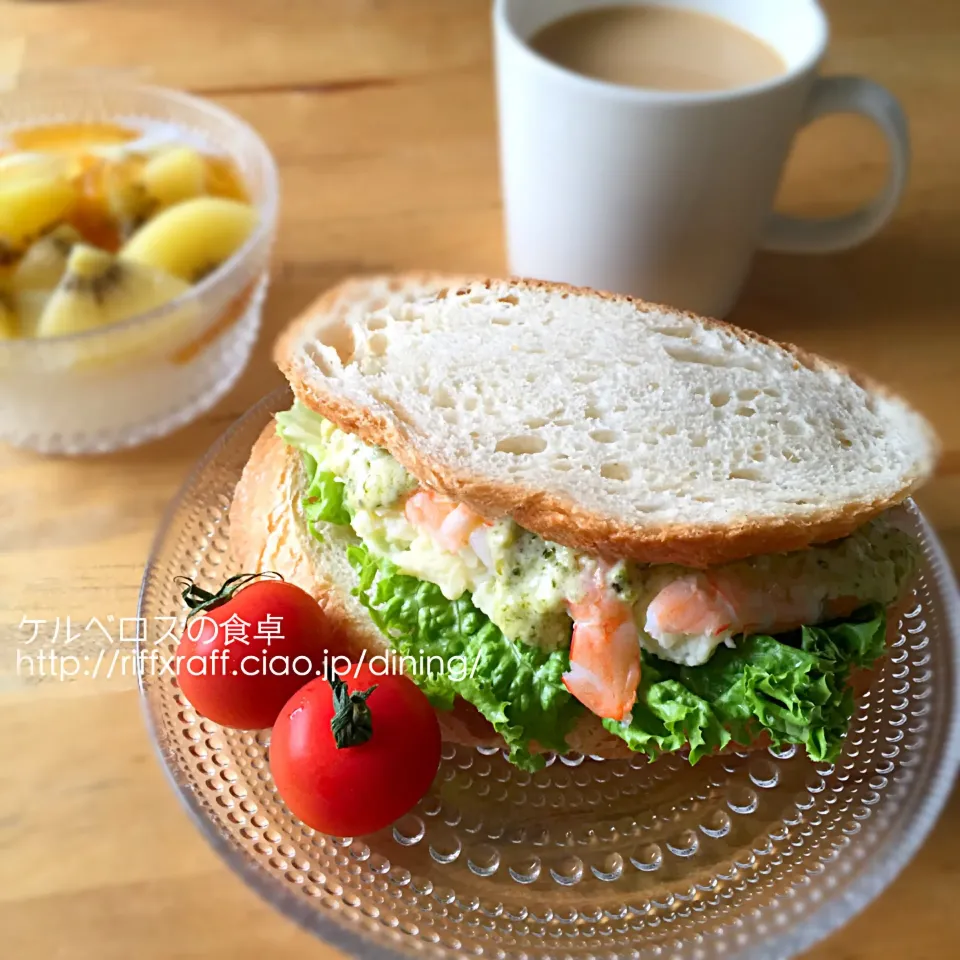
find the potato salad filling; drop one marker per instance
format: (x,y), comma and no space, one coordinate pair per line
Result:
(555,597)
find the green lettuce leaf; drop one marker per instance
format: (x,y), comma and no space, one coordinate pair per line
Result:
(458,651)
(668,716)
(323,498)
(300,427)
(797,693)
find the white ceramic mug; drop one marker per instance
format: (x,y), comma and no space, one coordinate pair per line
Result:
(667,195)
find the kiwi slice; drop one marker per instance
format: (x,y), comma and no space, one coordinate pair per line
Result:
(29,205)
(175,175)
(30,305)
(45,261)
(9,328)
(99,289)
(192,238)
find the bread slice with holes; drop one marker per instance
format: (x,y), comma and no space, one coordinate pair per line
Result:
(605,423)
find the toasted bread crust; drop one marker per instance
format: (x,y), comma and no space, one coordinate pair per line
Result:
(561,519)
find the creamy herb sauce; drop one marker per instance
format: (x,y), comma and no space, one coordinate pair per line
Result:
(525,589)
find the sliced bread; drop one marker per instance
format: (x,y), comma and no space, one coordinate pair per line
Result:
(603,422)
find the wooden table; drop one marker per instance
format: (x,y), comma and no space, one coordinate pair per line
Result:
(380,113)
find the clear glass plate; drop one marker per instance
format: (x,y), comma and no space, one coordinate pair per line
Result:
(752,855)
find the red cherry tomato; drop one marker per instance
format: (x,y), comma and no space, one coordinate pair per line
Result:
(348,791)
(239,661)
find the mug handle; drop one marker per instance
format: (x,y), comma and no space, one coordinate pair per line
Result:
(786,234)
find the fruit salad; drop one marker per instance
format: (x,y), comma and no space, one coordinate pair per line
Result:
(100,222)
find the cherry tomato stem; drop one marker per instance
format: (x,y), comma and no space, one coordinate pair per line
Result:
(350,723)
(200,600)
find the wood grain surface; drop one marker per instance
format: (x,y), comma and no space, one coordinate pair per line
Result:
(381,116)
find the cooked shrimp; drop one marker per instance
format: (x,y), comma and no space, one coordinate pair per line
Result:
(450,523)
(718,604)
(604,653)
(689,605)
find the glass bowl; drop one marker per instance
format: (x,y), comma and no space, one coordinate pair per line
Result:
(757,855)
(132,381)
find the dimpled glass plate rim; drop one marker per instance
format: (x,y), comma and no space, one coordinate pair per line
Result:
(748,855)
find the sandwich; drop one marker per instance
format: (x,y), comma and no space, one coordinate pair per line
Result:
(584,523)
